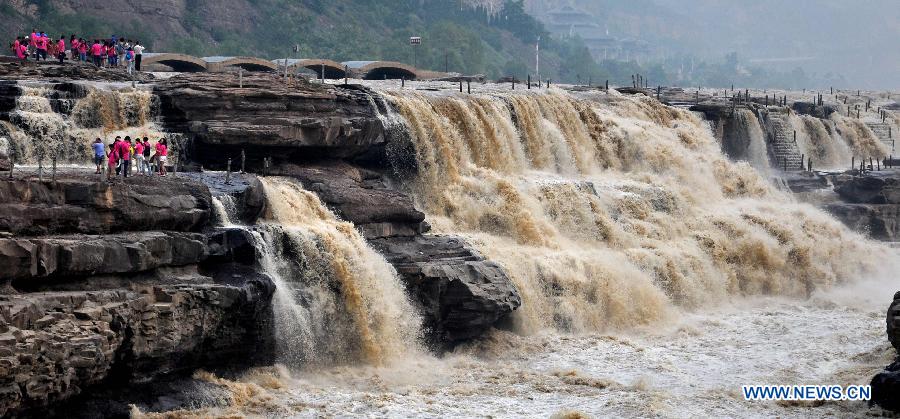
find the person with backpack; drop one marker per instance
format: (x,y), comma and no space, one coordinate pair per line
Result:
(120,52)
(129,59)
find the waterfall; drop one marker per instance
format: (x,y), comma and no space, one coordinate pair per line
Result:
(336,299)
(613,212)
(47,123)
(861,140)
(818,140)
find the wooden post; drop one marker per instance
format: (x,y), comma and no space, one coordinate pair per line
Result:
(852,162)
(832,89)
(607,85)
(460,86)
(241,78)
(469,86)
(40,169)
(879,164)
(53,172)
(848,112)
(403,82)
(548,82)
(633,82)
(346,74)
(795,136)
(243,161)
(802,159)
(785,164)
(810,165)
(658,91)
(514,83)
(529,82)
(857,113)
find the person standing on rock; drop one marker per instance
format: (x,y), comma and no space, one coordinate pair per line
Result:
(113,160)
(73,53)
(99,153)
(139,156)
(41,44)
(129,60)
(147,149)
(61,49)
(138,51)
(162,155)
(125,155)
(83,49)
(97,53)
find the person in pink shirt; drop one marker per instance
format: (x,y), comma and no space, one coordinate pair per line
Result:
(73,44)
(41,44)
(82,49)
(97,53)
(124,151)
(22,51)
(162,155)
(113,159)
(139,156)
(61,49)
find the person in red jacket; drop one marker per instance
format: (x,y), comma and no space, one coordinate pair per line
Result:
(97,53)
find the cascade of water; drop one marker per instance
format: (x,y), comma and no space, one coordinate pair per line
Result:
(614,212)
(337,300)
(37,130)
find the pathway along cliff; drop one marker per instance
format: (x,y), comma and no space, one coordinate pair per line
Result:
(436,253)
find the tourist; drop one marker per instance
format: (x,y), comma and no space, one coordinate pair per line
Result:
(125,151)
(61,49)
(83,49)
(74,52)
(15,45)
(129,59)
(97,53)
(113,162)
(22,49)
(51,49)
(32,43)
(41,45)
(138,51)
(147,149)
(139,156)
(162,155)
(111,57)
(99,153)
(121,49)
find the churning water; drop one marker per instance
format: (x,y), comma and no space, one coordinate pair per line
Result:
(657,276)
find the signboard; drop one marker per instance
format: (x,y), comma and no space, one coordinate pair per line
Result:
(415,40)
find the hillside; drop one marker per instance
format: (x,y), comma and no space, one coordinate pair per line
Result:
(487,37)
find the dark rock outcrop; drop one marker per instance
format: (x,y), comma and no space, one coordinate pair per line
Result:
(361,197)
(886,388)
(893,322)
(873,188)
(89,206)
(267,117)
(459,292)
(79,256)
(880,222)
(54,345)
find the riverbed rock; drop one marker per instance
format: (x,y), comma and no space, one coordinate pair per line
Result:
(81,205)
(460,293)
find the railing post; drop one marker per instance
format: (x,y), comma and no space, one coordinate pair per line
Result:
(469,86)
(228,172)
(243,160)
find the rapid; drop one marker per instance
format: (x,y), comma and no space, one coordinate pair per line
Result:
(656,275)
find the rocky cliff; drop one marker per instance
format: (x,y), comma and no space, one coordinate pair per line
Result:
(110,286)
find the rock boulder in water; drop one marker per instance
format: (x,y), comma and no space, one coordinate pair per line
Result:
(886,388)
(460,293)
(5,163)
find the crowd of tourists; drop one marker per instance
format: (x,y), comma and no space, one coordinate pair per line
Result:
(114,52)
(126,155)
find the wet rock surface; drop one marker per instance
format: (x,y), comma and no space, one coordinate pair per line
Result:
(886,388)
(873,188)
(459,292)
(880,222)
(49,70)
